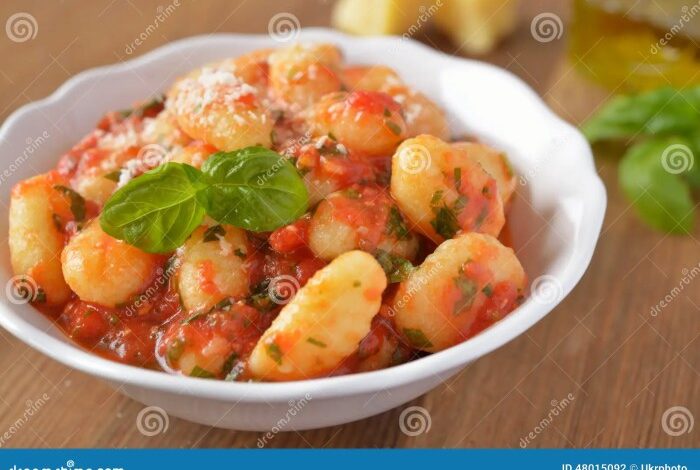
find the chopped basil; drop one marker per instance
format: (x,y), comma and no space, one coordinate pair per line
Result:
(274,352)
(397,269)
(417,338)
(467,289)
(77,202)
(445,222)
(487,290)
(316,342)
(396,225)
(201,373)
(39,296)
(230,371)
(155,105)
(392,126)
(213,233)
(113,176)
(175,349)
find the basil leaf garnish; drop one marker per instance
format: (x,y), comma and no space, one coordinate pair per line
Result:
(253,188)
(157,211)
(661,198)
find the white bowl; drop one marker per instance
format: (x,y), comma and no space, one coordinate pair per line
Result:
(555,221)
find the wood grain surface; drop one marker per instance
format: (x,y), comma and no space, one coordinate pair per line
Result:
(623,366)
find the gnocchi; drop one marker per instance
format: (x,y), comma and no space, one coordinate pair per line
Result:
(304,218)
(212,267)
(38,211)
(442,191)
(324,322)
(101,269)
(467,284)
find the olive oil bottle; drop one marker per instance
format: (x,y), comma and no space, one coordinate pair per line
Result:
(635,45)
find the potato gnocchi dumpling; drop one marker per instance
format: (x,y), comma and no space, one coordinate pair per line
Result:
(212,267)
(101,269)
(324,322)
(302,73)
(421,114)
(442,191)
(363,121)
(39,209)
(496,165)
(464,286)
(360,217)
(280,215)
(216,106)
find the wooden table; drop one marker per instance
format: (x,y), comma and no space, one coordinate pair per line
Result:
(623,366)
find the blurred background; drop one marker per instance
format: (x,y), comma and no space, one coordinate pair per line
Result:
(616,364)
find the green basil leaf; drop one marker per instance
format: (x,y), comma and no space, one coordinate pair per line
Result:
(156,211)
(651,181)
(660,112)
(77,202)
(253,188)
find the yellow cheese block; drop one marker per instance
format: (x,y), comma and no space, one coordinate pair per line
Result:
(476,26)
(377,17)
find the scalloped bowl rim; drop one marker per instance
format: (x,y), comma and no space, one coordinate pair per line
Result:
(456,356)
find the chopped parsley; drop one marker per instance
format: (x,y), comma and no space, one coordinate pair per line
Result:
(445,222)
(274,352)
(392,126)
(201,373)
(397,269)
(458,178)
(213,233)
(77,202)
(175,349)
(467,289)
(113,176)
(417,338)
(315,342)
(396,225)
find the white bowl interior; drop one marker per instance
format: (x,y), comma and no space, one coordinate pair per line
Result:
(555,219)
